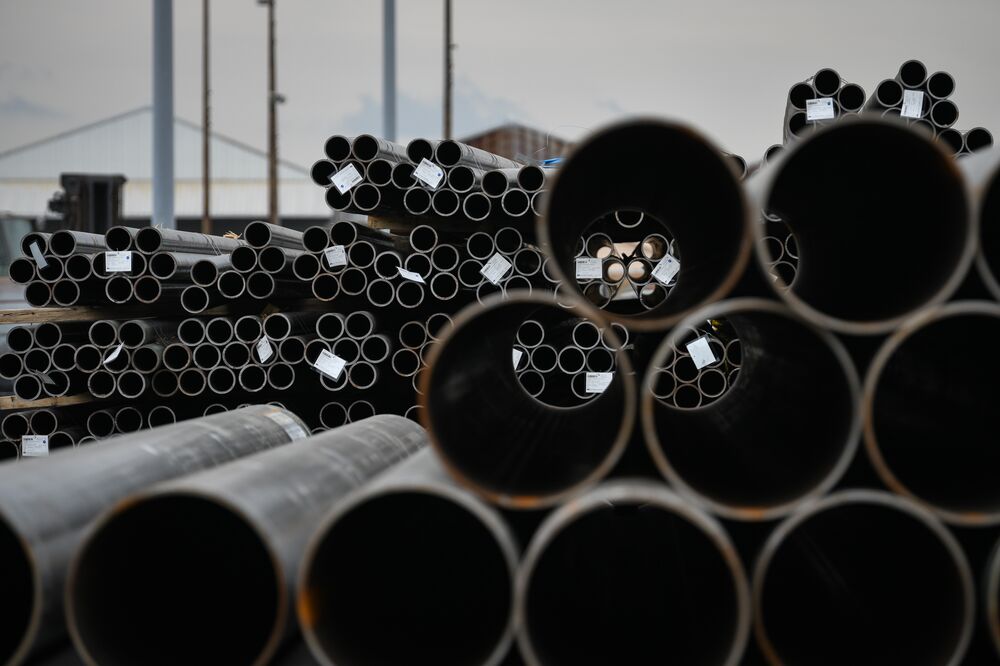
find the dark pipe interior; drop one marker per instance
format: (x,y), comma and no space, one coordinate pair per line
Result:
(236,354)
(243,259)
(412,334)
(445,257)
(887,192)
(148,240)
(417,200)
(145,359)
(15,425)
(118,239)
(940,84)
(851,97)
(353,281)
(206,356)
(409,294)
(22,270)
(600,360)
(248,329)
(131,384)
(423,238)
(445,202)
(315,239)
(118,289)
(362,375)
(278,326)
(28,387)
(43,422)
(952,139)
(260,285)
(889,93)
(758,444)
(161,415)
(128,419)
(379,172)
(978,138)
(103,333)
(165,383)
(933,417)
(419,149)
(462,178)
(326,287)
(368,609)
(826,82)
(162,265)
(387,264)
(531,178)
(253,378)
(862,583)
(365,147)
(380,292)
(333,415)
(101,383)
(20,339)
(799,94)
(359,324)
(330,326)
(322,171)
(176,356)
(37,360)
(496,434)
(147,289)
(78,267)
(405,362)
(631,584)
(281,375)
(695,195)
(437,324)
(292,349)
(222,380)
(17,583)
(337,148)
(944,113)
(367,196)
(132,333)
(196,299)
(445,286)
(8,451)
(88,358)
(191,381)
(912,73)
(213,600)
(191,331)
(586,334)
(52,271)
(477,206)
(219,330)
(495,183)
(402,176)
(571,360)
(360,410)
(10,365)
(507,240)
(37,294)
(101,423)
(271,259)
(347,349)
(336,200)
(305,266)
(361,254)
(257,234)
(448,153)
(515,202)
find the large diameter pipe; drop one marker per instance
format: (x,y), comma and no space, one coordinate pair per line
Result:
(631,545)
(862,575)
(45,508)
(360,605)
(221,539)
(494,437)
(743,456)
(694,193)
(928,416)
(982,170)
(894,187)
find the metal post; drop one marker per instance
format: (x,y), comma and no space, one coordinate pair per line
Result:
(163,114)
(206,126)
(389,69)
(272,121)
(448,46)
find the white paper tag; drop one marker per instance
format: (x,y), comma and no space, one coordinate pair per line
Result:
(35,446)
(264,349)
(913,103)
(495,268)
(598,382)
(336,255)
(666,269)
(330,364)
(701,352)
(429,173)
(113,355)
(411,276)
(820,108)
(346,178)
(288,424)
(118,262)
(36,254)
(589,268)
(516,355)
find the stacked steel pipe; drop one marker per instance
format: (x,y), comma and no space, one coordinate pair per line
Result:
(818,100)
(815,441)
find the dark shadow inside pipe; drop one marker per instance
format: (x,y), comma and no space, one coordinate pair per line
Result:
(219,330)
(462,178)
(145,359)
(118,289)
(222,380)
(213,600)
(419,264)
(15,425)
(292,350)
(103,333)
(531,178)
(826,82)
(862,583)
(375,348)
(305,266)
(362,375)
(379,172)
(515,202)
(694,194)
(445,257)
(889,93)
(337,148)
(281,376)
(22,270)
(236,354)
(336,200)
(851,97)
(17,583)
(257,234)
(206,356)
(43,422)
(147,289)
(799,94)
(359,324)
(940,85)
(260,285)
(444,286)
(37,294)
(271,259)
(88,358)
(66,292)
(315,239)
(438,323)
(196,299)
(367,196)
(192,381)
(101,383)
(37,360)
(47,335)
(477,206)
(912,73)
(253,378)
(952,139)
(933,414)
(333,415)
(176,356)
(165,383)
(191,331)
(885,192)
(507,240)
(128,419)
(118,239)
(148,240)
(248,329)
(944,113)
(405,362)
(243,259)
(330,326)
(409,294)
(101,423)
(387,264)
(495,183)
(978,138)
(8,451)
(77,267)
(493,432)
(419,149)
(278,326)
(367,609)
(402,176)
(417,201)
(52,271)
(353,281)
(20,339)
(631,584)
(161,415)
(131,384)
(11,365)
(162,265)
(758,445)
(445,202)
(361,254)
(360,410)
(321,172)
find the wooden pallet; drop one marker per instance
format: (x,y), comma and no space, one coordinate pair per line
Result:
(8,402)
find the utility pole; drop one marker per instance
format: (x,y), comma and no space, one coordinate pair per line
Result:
(448,46)
(389,69)
(272,121)
(163,114)
(206,126)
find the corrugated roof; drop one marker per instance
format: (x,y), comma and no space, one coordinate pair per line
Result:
(123,144)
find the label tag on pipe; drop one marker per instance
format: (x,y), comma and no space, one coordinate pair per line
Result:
(346,178)
(288,424)
(701,352)
(113,355)
(330,364)
(666,269)
(429,173)
(410,275)
(118,262)
(598,382)
(35,446)
(264,349)
(36,254)
(913,104)
(516,355)
(820,108)
(496,268)
(336,256)
(588,268)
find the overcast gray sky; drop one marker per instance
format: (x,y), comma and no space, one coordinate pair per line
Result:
(562,66)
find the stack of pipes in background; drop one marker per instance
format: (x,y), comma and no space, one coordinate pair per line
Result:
(759,465)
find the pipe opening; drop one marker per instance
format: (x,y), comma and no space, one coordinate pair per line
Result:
(889,186)
(119,238)
(359,324)
(366,609)
(861,577)
(213,600)
(527,261)
(292,350)
(280,376)
(531,178)
(826,82)
(77,267)
(260,285)
(22,270)
(333,415)
(402,176)
(147,289)
(192,382)
(952,139)
(740,448)
(367,197)
(101,383)
(353,281)
(419,264)
(462,178)
(360,410)
(206,356)
(163,265)
(325,287)
(409,294)
(164,383)
(362,375)
(47,335)
(799,94)
(515,202)
(419,149)
(685,601)
(978,138)
(851,97)
(191,331)
(146,359)
(17,577)
(572,360)
(271,259)
(445,202)
(322,171)
(161,415)
(306,267)
(11,365)
(361,254)
(506,450)
(37,294)
(347,349)
(379,172)
(118,289)
(387,264)
(940,85)
(444,257)
(101,423)
(507,240)
(912,73)
(128,419)
(438,324)
(944,113)
(405,363)
(176,357)
(243,259)
(444,286)
(423,239)
(219,330)
(417,201)
(316,238)
(195,299)
(889,93)
(495,183)
(148,240)
(278,326)
(131,384)
(330,325)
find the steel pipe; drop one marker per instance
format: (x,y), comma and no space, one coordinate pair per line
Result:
(515,464)
(164,383)
(882,174)
(205,272)
(130,384)
(66,293)
(101,423)
(128,419)
(515,202)
(22,271)
(221,380)
(15,425)
(76,486)
(862,573)
(150,240)
(65,242)
(37,294)
(465,551)
(176,357)
(160,415)
(574,580)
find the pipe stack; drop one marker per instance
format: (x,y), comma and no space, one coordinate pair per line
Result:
(819,100)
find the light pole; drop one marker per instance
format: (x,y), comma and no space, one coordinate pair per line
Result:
(273,99)
(206,126)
